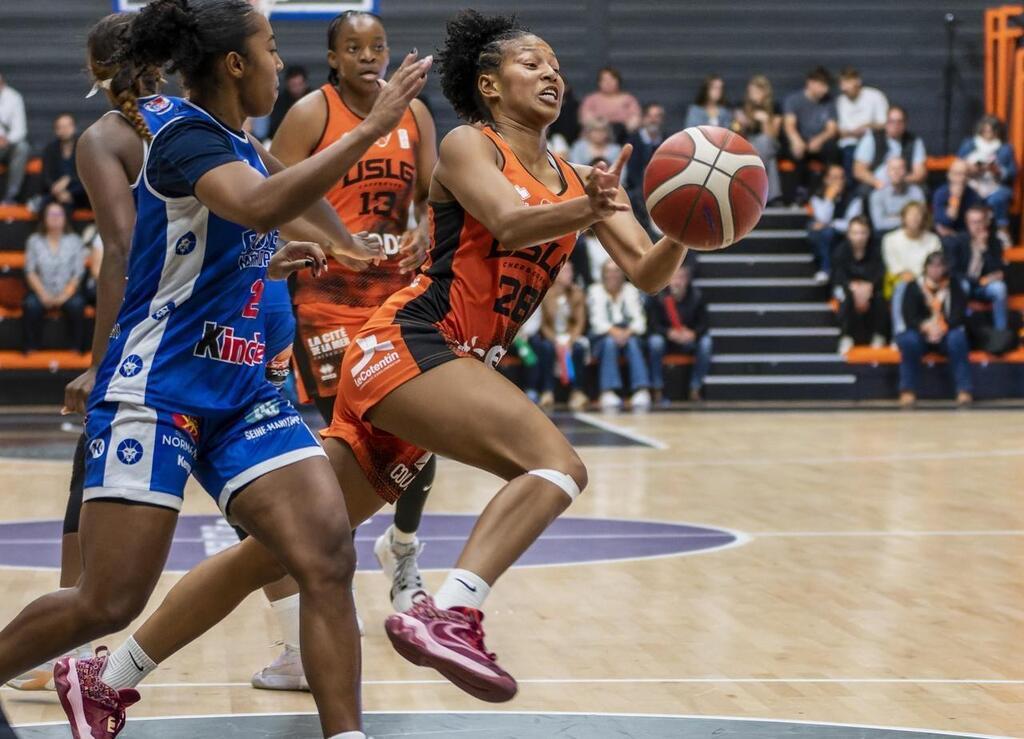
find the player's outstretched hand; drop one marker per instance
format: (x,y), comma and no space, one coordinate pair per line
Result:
(76,392)
(296,255)
(602,186)
(405,84)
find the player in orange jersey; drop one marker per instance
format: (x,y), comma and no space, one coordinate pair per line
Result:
(375,197)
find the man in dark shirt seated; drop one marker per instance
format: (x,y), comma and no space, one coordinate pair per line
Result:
(677,320)
(645,141)
(857,278)
(934,307)
(60,178)
(976,261)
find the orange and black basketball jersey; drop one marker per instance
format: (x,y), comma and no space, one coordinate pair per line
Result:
(480,293)
(373,196)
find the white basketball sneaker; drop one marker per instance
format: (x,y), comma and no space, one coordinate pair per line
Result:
(284,673)
(41,678)
(398,562)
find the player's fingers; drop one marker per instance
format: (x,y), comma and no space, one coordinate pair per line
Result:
(624,155)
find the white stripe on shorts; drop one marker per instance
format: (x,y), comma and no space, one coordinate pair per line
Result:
(244,477)
(153,497)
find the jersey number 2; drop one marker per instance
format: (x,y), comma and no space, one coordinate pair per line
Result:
(252,306)
(518,301)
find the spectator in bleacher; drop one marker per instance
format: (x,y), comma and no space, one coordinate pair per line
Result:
(611,104)
(934,308)
(876,148)
(860,110)
(904,251)
(887,203)
(759,120)
(596,142)
(566,128)
(991,169)
(951,201)
(617,324)
(645,141)
(94,260)
(295,87)
(857,277)
(560,344)
(810,124)
(54,267)
(710,108)
(14,147)
(60,177)
(678,323)
(832,207)
(976,261)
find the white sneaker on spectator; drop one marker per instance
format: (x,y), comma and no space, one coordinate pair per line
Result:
(641,400)
(821,277)
(877,341)
(845,345)
(578,400)
(610,400)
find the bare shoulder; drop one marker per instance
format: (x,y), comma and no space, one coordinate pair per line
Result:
(469,141)
(420,110)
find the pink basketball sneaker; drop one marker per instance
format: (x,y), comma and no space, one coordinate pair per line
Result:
(95,710)
(452,642)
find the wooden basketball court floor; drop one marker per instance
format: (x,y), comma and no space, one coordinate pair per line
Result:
(850,567)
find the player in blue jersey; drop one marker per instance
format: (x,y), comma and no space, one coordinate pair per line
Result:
(181,388)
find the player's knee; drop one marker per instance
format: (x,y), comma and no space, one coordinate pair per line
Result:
(568,473)
(111,611)
(330,567)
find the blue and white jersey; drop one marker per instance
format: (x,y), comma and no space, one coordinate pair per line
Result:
(190,335)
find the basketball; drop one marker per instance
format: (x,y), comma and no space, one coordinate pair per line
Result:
(706,187)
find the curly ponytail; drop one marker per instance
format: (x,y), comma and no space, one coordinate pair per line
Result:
(473,46)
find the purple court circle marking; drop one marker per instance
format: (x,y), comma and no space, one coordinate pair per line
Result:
(569,540)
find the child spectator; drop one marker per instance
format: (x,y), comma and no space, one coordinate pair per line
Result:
(991,169)
(611,103)
(595,143)
(832,207)
(14,147)
(860,110)
(810,123)
(976,262)
(904,251)
(952,199)
(875,148)
(887,203)
(933,312)
(617,323)
(60,177)
(645,140)
(678,322)
(759,121)
(710,107)
(54,266)
(858,275)
(560,344)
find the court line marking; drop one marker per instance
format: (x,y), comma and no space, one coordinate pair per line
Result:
(604,425)
(743,719)
(809,461)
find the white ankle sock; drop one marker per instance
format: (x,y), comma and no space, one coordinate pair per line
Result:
(348,735)
(287,612)
(400,537)
(462,588)
(127,666)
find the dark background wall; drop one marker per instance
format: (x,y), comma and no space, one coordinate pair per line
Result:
(663,47)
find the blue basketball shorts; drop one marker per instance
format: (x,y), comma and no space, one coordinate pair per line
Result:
(145,455)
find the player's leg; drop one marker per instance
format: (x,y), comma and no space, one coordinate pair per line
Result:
(494,427)
(398,548)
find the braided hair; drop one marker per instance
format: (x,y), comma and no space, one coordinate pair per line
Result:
(106,46)
(334,28)
(473,46)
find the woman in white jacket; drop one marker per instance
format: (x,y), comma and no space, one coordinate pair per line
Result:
(904,251)
(617,324)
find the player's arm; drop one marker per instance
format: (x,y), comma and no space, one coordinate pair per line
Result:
(416,241)
(99,158)
(237,193)
(468,169)
(648,265)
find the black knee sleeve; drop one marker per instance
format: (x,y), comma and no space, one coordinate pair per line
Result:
(74,510)
(409,509)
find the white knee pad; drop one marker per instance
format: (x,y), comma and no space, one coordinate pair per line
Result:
(560,479)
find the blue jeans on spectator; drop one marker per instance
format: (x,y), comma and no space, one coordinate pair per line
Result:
(823,241)
(999,202)
(33,313)
(607,352)
(898,291)
(658,346)
(995,293)
(913,347)
(847,154)
(541,376)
